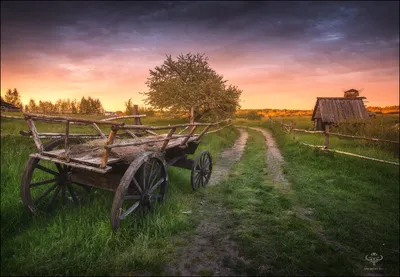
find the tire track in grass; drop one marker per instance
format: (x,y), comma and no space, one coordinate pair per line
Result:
(275,163)
(228,158)
(211,247)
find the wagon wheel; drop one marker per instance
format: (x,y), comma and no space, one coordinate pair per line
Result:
(145,181)
(201,170)
(44,183)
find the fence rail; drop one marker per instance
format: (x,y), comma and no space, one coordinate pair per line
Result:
(291,128)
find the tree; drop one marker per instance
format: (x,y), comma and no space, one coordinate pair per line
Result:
(129,107)
(32,106)
(74,106)
(178,85)
(13,97)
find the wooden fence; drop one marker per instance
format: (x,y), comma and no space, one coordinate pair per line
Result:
(291,129)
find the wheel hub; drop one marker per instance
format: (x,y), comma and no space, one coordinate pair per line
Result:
(146,200)
(65,178)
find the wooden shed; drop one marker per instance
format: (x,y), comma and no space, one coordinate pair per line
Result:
(334,110)
(7,107)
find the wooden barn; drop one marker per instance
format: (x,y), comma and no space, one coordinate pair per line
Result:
(334,110)
(7,107)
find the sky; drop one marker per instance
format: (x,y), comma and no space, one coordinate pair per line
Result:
(281,54)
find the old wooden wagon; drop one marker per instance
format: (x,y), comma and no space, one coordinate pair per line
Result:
(135,169)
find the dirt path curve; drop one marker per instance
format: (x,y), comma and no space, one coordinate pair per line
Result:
(211,249)
(228,158)
(275,162)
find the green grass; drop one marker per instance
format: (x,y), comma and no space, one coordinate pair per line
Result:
(77,240)
(354,203)
(381,127)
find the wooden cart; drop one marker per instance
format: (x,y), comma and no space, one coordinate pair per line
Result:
(136,169)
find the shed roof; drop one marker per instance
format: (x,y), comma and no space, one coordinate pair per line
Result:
(339,109)
(8,105)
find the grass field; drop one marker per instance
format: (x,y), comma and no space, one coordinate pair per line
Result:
(383,127)
(352,210)
(78,240)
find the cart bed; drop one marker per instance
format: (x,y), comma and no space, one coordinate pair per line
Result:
(90,153)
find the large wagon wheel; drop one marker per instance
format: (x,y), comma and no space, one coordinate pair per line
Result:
(202,169)
(145,181)
(44,183)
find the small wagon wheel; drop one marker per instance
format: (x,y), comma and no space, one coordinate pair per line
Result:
(202,169)
(145,181)
(44,183)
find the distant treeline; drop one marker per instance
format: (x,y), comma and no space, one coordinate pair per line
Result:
(259,113)
(384,110)
(87,105)
(256,114)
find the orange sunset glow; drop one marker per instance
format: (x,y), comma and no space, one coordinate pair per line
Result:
(282,55)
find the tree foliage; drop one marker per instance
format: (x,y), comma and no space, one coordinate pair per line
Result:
(13,97)
(129,107)
(66,106)
(188,81)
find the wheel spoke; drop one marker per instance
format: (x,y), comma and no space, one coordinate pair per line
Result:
(207,163)
(45,193)
(137,184)
(132,197)
(156,185)
(154,177)
(71,191)
(43,183)
(54,196)
(45,169)
(204,180)
(195,178)
(156,196)
(201,161)
(128,211)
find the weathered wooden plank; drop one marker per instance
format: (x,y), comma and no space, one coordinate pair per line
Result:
(88,159)
(47,135)
(364,138)
(350,154)
(99,130)
(125,116)
(136,143)
(307,131)
(144,127)
(72,164)
(71,119)
(213,131)
(151,132)
(167,139)
(190,134)
(106,152)
(66,141)
(36,139)
(130,133)
(12,117)
(203,132)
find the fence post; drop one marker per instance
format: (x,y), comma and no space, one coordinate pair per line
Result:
(137,120)
(294,131)
(326,136)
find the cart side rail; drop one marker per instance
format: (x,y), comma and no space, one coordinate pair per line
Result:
(115,127)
